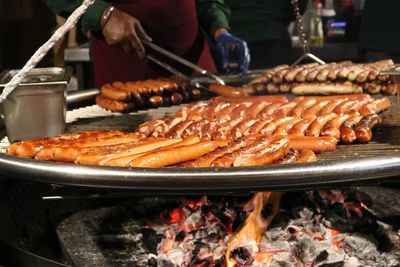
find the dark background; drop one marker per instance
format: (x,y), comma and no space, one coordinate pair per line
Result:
(24,26)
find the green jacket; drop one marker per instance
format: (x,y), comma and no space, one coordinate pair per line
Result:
(252,20)
(380,28)
(214,14)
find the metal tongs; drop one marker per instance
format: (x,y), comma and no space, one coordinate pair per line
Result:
(182,61)
(304,42)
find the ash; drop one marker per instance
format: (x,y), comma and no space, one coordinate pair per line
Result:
(324,228)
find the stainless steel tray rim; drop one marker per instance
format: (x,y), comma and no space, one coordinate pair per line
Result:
(293,176)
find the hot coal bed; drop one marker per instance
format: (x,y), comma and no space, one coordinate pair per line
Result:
(328,228)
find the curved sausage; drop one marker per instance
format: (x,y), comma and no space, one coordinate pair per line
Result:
(226,90)
(300,127)
(241,128)
(113,93)
(114,105)
(335,97)
(228,159)
(375,106)
(344,106)
(331,106)
(225,113)
(155,101)
(285,127)
(268,155)
(253,111)
(284,109)
(364,128)
(316,126)
(171,156)
(206,160)
(222,132)
(301,106)
(311,112)
(101,157)
(316,144)
(268,110)
(347,133)
(178,129)
(271,126)
(256,127)
(332,127)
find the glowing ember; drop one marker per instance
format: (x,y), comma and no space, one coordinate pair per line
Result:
(255,224)
(199,233)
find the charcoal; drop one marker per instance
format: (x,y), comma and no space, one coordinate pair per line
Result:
(321,256)
(180,236)
(334,264)
(242,256)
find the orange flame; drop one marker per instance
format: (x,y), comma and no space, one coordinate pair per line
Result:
(255,224)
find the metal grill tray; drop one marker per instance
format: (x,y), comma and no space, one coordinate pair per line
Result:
(348,165)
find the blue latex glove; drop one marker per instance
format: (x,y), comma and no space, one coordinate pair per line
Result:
(233,49)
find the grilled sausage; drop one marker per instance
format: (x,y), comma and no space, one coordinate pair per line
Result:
(114,105)
(375,106)
(347,133)
(300,127)
(301,106)
(268,155)
(316,144)
(364,128)
(332,127)
(206,160)
(113,93)
(101,157)
(228,159)
(316,126)
(227,91)
(171,156)
(311,112)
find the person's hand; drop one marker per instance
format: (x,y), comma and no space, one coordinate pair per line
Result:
(232,49)
(123,29)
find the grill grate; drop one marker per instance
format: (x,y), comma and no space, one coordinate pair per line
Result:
(385,139)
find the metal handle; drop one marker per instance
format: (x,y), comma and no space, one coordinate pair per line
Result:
(185,62)
(303,38)
(82,95)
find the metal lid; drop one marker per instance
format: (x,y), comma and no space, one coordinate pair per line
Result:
(39,76)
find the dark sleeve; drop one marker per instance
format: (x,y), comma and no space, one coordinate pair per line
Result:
(213,14)
(90,20)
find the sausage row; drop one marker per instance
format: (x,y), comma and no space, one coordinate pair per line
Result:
(342,117)
(332,78)
(129,150)
(125,97)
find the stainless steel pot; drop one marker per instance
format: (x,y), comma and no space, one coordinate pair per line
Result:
(37,107)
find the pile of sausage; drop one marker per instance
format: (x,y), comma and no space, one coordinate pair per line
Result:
(130,96)
(332,78)
(119,149)
(345,117)
(221,132)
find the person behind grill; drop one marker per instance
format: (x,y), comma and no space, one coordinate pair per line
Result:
(119,31)
(380,36)
(262,24)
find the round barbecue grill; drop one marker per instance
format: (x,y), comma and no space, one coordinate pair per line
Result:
(347,165)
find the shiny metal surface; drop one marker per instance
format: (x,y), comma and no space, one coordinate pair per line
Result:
(81,96)
(37,107)
(171,180)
